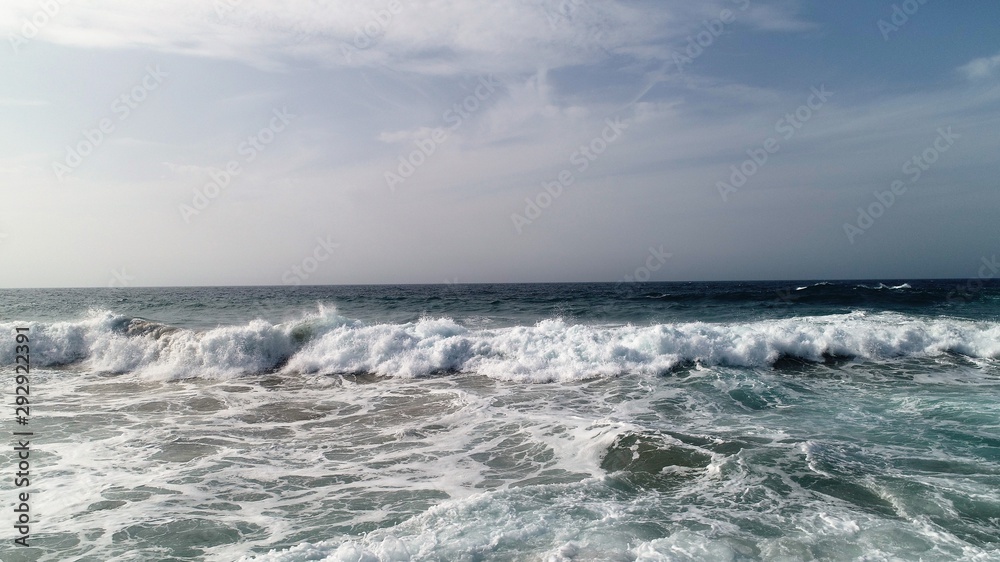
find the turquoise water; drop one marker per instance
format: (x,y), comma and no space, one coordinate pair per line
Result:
(849,421)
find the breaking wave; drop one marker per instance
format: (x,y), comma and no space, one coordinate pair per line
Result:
(552,349)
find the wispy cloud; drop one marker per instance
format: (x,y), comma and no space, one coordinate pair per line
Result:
(981,68)
(394,137)
(425,36)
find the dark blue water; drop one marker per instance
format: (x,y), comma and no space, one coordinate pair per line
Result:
(522,303)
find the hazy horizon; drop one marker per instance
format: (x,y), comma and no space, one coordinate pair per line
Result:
(959,280)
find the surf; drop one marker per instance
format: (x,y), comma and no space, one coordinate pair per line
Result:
(553,349)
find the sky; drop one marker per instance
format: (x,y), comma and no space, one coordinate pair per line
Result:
(228,142)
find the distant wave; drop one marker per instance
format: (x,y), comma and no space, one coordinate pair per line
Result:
(820,284)
(821,293)
(883,286)
(325,342)
(879,296)
(879,287)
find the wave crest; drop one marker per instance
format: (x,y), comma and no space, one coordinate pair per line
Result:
(326,343)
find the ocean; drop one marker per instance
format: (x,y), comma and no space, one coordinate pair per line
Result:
(844,420)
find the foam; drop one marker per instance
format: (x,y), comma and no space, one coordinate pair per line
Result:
(551,350)
(467,467)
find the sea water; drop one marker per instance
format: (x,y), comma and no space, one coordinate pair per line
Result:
(684,421)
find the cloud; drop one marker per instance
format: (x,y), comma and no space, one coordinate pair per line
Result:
(10,102)
(981,68)
(436,37)
(395,137)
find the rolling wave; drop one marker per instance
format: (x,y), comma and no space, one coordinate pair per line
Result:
(552,349)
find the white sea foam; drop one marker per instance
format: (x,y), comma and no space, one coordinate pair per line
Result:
(820,284)
(553,349)
(883,286)
(457,468)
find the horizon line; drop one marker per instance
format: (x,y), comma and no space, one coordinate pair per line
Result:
(446,283)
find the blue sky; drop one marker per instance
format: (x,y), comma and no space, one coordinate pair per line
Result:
(251,142)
